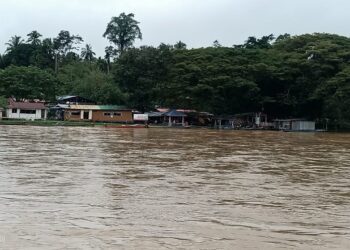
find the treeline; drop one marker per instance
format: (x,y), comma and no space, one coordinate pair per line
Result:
(287,76)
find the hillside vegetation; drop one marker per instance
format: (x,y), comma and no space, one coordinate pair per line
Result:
(288,76)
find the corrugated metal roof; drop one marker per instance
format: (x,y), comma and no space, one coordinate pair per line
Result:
(97,107)
(60,106)
(74,99)
(26,105)
(155,114)
(174,113)
(63,106)
(290,120)
(65,97)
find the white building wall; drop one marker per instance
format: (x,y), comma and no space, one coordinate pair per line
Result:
(303,125)
(18,115)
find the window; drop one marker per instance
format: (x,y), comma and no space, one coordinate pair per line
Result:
(76,113)
(27,111)
(111,114)
(14,111)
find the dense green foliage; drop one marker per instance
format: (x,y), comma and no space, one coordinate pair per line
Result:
(288,76)
(27,83)
(122,31)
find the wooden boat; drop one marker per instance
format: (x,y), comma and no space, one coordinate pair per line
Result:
(126,126)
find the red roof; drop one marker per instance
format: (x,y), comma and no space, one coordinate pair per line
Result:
(162,110)
(26,105)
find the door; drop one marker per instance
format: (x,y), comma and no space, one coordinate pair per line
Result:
(86,115)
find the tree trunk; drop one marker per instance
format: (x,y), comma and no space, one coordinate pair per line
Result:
(56,63)
(108,65)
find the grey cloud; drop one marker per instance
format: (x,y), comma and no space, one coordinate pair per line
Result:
(196,22)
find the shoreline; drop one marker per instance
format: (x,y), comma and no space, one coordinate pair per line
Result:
(55,123)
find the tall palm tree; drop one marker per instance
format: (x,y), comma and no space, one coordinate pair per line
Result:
(13,43)
(87,54)
(180,45)
(110,52)
(63,44)
(34,38)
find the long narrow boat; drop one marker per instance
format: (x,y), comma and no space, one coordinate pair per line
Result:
(126,126)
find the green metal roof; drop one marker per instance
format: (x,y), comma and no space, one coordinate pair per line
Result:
(98,107)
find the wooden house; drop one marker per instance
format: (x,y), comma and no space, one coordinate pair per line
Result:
(98,113)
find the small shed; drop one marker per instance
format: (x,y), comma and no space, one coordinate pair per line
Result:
(199,118)
(28,110)
(156,117)
(57,112)
(175,117)
(303,126)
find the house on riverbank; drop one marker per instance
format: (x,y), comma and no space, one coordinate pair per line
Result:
(63,102)
(97,113)
(294,125)
(179,117)
(1,111)
(175,118)
(28,110)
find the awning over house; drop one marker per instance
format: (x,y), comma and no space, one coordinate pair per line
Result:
(155,114)
(60,106)
(224,117)
(290,120)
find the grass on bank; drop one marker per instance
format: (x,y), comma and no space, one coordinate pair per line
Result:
(49,123)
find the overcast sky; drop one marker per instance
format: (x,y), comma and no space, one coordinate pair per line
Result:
(196,22)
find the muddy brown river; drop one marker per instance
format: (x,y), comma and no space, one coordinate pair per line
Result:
(107,188)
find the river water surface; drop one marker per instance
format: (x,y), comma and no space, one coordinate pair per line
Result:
(103,188)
